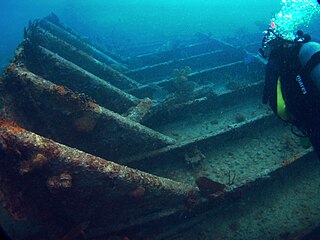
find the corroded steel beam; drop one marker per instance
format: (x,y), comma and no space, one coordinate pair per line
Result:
(39,36)
(51,66)
(74,119)
(44,181)
(79,43)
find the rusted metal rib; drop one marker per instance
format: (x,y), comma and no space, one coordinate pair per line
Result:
(51,66)
(74,119)
(43,180)
(45,39)
(78,43)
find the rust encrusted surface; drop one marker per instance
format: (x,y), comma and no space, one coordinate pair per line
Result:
(75,40)
(41,179)
(45,39)
(74,119)
(51,66)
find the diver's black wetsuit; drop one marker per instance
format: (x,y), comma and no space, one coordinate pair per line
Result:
(300,94)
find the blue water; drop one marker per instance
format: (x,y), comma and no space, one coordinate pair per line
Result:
(132,21)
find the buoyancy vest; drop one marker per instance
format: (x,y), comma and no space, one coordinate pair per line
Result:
(298,87)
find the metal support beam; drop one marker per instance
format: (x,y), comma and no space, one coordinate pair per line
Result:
(78,42)
(106,72)
(58,70)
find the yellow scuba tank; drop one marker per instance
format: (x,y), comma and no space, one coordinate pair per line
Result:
(281,105)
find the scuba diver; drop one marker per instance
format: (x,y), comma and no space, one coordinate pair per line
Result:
(292,81)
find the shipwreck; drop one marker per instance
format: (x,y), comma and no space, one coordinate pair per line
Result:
(149,143)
